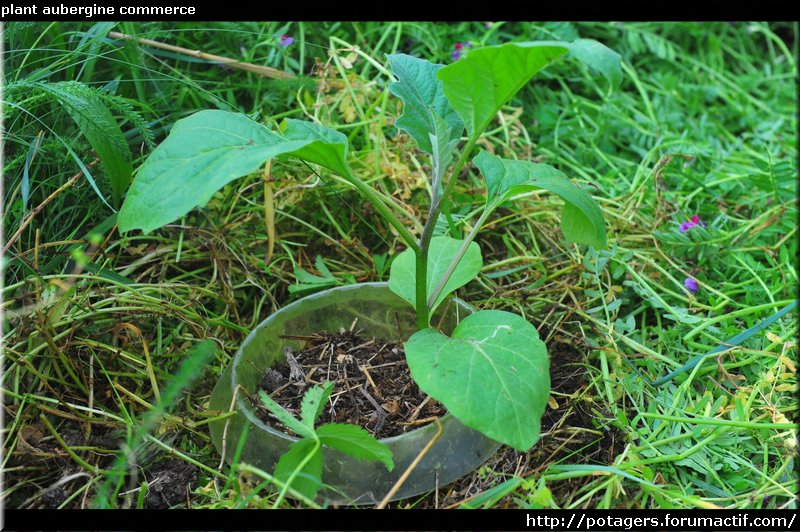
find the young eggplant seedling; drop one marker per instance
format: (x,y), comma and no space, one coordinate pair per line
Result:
(492,372)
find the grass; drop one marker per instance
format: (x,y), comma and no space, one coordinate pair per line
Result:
(96,325)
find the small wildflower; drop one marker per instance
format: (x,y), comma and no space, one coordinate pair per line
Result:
(460,50)
(695,221)
(286,40)
(691,285)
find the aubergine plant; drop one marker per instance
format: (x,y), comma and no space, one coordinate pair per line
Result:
(492,372)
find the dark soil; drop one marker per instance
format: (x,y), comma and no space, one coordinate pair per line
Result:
(576,427)
(372,384)
(579,430)
(170,482)
(53,498)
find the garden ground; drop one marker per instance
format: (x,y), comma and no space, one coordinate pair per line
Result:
(693,160)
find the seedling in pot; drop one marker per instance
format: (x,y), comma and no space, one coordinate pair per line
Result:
(301,466)
(492,372)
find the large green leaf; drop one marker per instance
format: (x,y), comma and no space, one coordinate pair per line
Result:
(480,83)
(308,479)
(324,146)
(442,251)
(209,149)
(97,124)
(356,442)
(492,374)
(581,217)
(423,101)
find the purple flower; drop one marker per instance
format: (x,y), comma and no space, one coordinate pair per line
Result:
(691,285)
(685,226)
(460,50)
(286,40)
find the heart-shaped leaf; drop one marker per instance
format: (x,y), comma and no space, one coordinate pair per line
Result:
(480,83)
(209,149)
(581,217)
(492,374)
(423,101)
(442,251)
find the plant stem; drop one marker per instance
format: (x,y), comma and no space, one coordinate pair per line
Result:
(436,210)
(269,212)
(437,203)
(365,189)
(422,289)
(421,273)
(460,253)
(421,254)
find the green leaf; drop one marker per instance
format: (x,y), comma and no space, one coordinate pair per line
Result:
(26,185)
(492,374)
(285,417)
(209,149)
(423,102)
(325,147)
(483,81)
(308,281)
(581,217)
(313,402)
(443,145)
(356,442)
(322,267)
(100,129)
(480,83)
(599,58)
(443,249)
(308,479)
